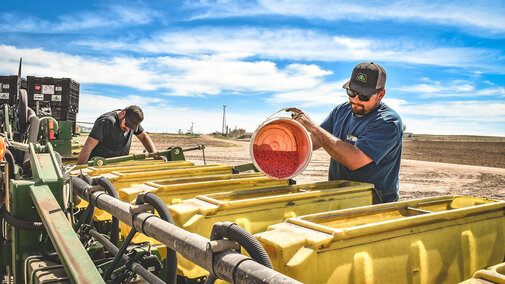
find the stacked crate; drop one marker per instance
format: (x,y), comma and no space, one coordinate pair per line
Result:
(60,95)
(8,86)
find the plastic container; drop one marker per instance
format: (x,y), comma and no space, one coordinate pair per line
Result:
(494,274)
(8,87)
(123,179)
(62,94)
(442,239)
(256,209)
(175,190)
(153,165)
(281,147)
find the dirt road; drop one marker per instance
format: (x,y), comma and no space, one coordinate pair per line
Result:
(428,169)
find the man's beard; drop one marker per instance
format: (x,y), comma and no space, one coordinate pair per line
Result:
(360,110)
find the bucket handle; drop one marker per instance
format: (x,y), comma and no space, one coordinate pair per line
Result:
(282,109)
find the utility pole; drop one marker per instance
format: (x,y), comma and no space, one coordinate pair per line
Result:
(224,121)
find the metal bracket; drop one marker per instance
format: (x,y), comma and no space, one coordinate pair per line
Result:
(244,167)
(222,245)
(216,246)
(136,209)
(93,189)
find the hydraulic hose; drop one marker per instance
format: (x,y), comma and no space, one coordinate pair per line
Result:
(171,260)
(21,224)
(157,203)
(86,178)
(137,268)
(161,207)
(33,132)
(236,233)
(111,190)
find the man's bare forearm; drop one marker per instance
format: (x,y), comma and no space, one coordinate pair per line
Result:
(86,150)
(147,142)
(347,154)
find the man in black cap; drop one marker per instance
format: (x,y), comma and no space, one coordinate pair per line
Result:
(363,136)
(112,133)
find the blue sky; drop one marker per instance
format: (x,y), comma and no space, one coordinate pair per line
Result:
(181,61)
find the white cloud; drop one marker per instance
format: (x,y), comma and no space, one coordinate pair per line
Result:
(124,71)
(482,15)
(297,44)
(178,76)
(104,17)
(463,111)
(322,95)
(352,43)
(211,76)
(456,88)
(454,118)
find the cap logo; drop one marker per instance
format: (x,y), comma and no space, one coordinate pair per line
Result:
(361,77)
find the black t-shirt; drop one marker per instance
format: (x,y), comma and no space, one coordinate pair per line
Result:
(113,141)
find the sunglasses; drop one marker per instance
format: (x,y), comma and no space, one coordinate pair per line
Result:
(361,97)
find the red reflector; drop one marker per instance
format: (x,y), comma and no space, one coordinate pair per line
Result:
(51,134)
(37,87)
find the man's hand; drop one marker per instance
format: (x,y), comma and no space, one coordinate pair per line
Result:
(303,118)
(158,157)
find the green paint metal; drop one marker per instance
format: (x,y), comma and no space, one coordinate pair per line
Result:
(75,259)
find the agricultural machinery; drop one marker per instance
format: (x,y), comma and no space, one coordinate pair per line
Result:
(134,219)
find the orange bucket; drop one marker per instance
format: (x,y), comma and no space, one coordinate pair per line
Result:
(281,147)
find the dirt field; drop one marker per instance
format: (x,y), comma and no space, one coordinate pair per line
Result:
(429,166)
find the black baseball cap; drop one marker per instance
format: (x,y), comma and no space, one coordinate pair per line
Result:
(133,117)
(367,79)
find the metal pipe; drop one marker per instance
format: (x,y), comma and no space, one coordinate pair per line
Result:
(145,155)
(228,265)
(20,146)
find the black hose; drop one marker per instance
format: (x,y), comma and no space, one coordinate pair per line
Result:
(136,267)
(111,190)
(161,207)
(120,254)
(86,217)
(86,178)
(80,186)
(157,203)
(236,233)
(20,224)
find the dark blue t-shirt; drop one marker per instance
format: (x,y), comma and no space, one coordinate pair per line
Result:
(378,135)
(113,141)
